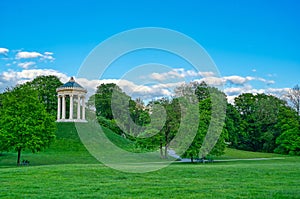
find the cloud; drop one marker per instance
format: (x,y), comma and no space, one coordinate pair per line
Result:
(268,82)
(11,78)
(145,92)
(179,73)
(236,91)
(234,85)
(237,79)
(26,65)
(48,56)
(31,55)
(4,51)
(27,55)
(213,81)
(48,53)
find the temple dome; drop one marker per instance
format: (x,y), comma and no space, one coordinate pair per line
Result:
(71,85)
(74,92)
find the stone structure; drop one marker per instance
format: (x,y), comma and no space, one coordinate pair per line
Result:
(75,93)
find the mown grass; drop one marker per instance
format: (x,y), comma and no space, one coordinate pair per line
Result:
(268,179)
(239,154)
(67,170)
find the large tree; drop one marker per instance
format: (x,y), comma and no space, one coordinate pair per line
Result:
(46,87)
(206,96)
(288,128)
(218,141)
(103,99)
(261,115)
(233,126)
(24,121)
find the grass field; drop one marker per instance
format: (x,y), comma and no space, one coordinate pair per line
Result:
(66,170)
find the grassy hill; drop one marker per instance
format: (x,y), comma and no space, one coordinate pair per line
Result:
(66,149)
(67,170)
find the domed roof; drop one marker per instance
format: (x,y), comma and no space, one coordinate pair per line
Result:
(71,85)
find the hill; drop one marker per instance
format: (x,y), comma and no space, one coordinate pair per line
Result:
(66,149)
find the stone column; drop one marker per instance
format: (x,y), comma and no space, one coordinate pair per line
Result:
(71,107)
(58,107)
(78,107)
(83,108)
(63,107)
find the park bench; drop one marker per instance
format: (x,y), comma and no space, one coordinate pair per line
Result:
(25,163)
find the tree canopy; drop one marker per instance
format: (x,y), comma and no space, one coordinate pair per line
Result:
(46,87)
(24,121)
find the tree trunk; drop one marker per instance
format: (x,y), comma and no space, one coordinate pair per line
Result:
(161,151)
(192,159)
(19,157)
(166,151)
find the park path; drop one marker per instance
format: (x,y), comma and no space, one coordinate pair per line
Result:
(173,154)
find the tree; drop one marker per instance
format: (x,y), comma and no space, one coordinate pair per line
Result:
(288,139)
(205,118)
(233,126)
(103,99)
(261,115)
(46,87)
(293,97)
(24,121)
(203,94)
(169,130)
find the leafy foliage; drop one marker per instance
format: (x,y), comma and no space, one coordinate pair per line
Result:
(266,120)
(46,87)
(24,121)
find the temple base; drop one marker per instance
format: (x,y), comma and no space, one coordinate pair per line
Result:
(72,120)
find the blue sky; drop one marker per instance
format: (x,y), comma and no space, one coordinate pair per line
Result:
(257,39)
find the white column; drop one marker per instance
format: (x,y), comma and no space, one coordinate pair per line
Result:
(78,107)
(63,107)
(83,108)
(71,107)
(58,107)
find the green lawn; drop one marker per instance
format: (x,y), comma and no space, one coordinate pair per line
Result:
(267,179)
(67,170)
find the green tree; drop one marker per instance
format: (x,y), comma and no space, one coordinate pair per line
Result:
(24,121)
(288,128)
(169,130)
(233,126)
(260,115)
(103,99)
(205,119)
(203,94)
(46,87)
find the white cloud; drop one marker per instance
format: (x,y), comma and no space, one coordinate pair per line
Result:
(31,55)
(27,55)
(12,78)
(4,51)
(213,81)
(237,86)
(135,91)
(207,74)
(179,73)
(48,53)
(48,56)
(26,65)
(236,79)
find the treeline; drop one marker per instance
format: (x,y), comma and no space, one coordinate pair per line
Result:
(255,122)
